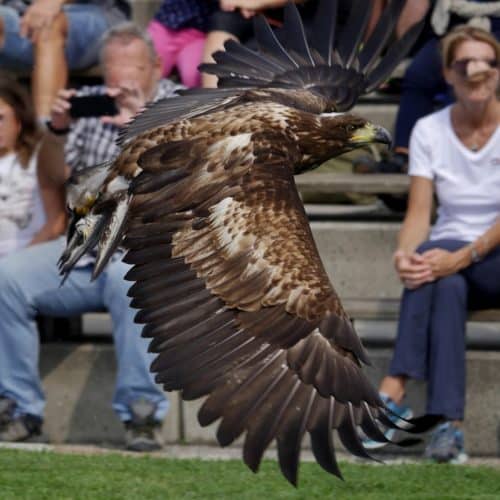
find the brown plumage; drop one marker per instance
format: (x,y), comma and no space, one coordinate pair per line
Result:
(228,280)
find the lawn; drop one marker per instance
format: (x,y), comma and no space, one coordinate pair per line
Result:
(48,475)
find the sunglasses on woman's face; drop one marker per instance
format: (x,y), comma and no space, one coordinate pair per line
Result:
(460,65)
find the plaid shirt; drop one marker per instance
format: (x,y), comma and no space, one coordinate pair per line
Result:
(91,142)
(176,14)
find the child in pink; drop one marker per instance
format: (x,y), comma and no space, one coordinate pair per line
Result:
(178,30)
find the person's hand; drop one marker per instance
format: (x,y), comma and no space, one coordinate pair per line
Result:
(39,16)
(249,8)
(60,118)
(130,100)
(413,271)
(442,262)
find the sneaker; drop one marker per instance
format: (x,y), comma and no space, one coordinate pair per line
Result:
(446,445)
(21,428)
(397,413)
(143,432)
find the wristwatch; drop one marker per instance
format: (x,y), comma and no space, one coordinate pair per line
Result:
(475,257)
(56,131)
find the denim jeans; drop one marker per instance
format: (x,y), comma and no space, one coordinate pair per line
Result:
(431,332)
(86,25)
(30,284)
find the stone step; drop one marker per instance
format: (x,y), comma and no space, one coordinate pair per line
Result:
(79,378)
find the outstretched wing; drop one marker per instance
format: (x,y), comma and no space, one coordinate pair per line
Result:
(334,65)
(333,62)
(237,303)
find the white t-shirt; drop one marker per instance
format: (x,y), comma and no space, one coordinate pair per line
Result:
(21,209)
(467,183)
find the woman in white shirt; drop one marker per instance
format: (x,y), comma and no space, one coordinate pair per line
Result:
(454,265)
(27,214)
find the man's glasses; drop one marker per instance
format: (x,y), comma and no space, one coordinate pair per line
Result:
(460,65)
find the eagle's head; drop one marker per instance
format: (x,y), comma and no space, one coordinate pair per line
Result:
(351,131)
(334,134)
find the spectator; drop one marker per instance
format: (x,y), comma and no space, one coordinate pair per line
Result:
(423,87)
(47,37)
(29,213)
(29,280)
(454,152)
(178,31)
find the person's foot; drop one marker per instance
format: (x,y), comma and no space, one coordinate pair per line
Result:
(446,445)
(6,411)
(20,428)
(396,163)
(142,431)
(397,412)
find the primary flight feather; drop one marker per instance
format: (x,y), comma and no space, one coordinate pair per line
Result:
(227,278)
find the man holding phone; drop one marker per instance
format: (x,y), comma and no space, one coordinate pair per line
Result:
(29,282)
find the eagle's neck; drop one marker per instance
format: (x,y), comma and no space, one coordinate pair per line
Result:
(319,140)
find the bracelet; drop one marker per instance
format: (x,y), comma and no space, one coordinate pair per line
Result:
(56,131)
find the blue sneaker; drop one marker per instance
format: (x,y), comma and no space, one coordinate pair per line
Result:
(446,445)
(398,412)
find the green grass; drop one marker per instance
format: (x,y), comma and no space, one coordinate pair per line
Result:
(47,475)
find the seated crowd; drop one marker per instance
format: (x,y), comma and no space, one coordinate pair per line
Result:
(445,269)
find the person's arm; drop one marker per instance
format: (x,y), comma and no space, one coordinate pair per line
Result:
(416,224)
(443,263)
(52,170)
(410,266)
(38,16)
(53,199)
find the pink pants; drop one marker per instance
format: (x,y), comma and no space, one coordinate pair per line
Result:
(180,48)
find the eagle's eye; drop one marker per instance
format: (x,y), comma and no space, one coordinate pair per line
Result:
(350,127)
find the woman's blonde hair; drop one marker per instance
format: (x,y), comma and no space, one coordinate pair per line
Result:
(17,97)
(463,33)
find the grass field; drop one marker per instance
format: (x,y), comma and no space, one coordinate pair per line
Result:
(48,475)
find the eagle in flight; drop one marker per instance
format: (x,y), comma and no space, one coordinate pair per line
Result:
(227,277)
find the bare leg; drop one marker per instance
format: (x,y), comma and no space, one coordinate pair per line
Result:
(394,387)
(413,11)
(215,41)
(50,71)
(2,33)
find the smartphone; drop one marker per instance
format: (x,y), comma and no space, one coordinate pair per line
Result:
(92,105)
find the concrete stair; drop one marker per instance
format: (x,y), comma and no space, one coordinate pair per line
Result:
(79,378)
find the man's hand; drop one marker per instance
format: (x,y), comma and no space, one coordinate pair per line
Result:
(130,100)
(412,269)
(39,16)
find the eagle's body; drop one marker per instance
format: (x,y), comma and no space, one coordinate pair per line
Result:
(228,280)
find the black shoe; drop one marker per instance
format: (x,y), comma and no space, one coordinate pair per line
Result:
(143,432)
(21,428)
(6,411)
(397,163)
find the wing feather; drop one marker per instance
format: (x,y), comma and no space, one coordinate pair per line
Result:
(239,309)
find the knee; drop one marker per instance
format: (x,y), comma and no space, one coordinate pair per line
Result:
(116,286)
(8,278)
(452,286)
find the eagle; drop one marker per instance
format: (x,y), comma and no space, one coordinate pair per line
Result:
(227,278)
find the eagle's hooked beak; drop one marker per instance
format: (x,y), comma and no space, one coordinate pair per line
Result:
(371,133)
